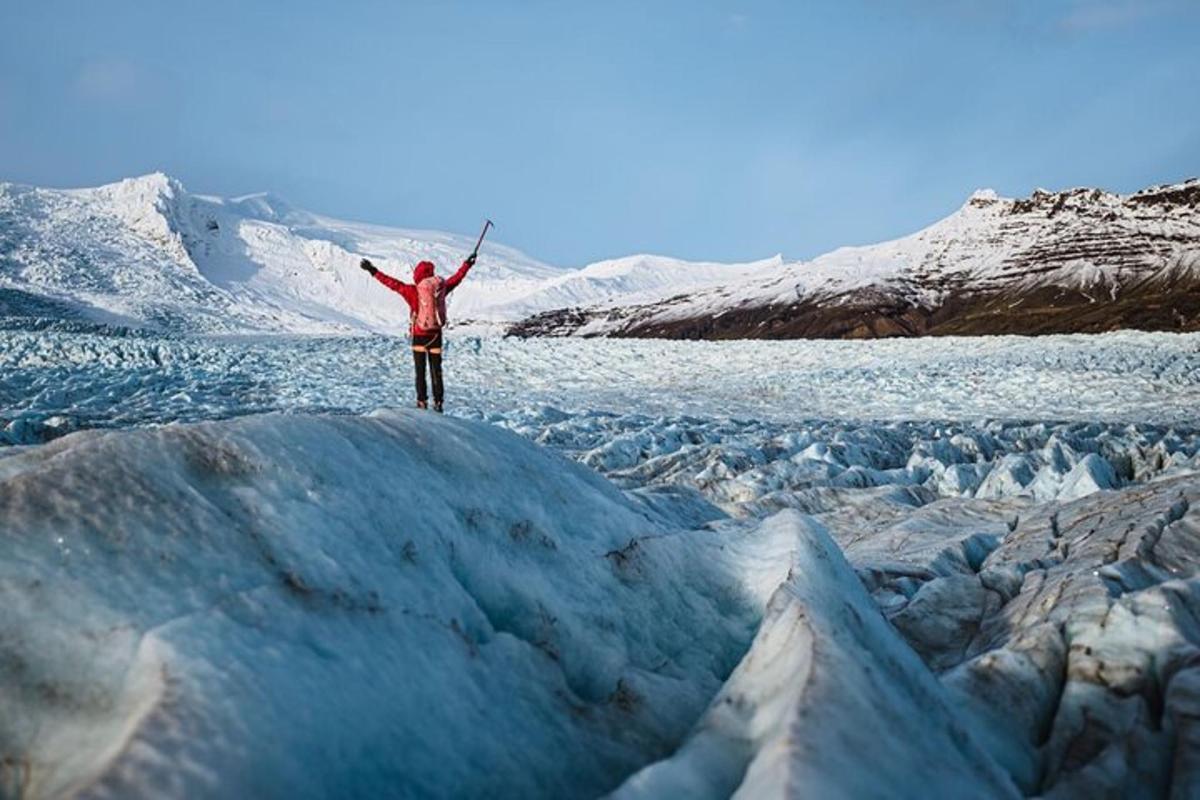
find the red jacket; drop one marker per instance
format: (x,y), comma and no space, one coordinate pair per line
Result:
(409,290)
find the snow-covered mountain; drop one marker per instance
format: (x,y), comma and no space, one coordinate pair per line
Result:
(145,252)
(1078,260)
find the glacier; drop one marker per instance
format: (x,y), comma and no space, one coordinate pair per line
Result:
(426,606)
(53,381)
(228,569)
(318,606)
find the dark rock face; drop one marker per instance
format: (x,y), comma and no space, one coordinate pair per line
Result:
(1080,261)
(1159,306)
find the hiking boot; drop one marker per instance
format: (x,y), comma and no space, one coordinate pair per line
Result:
(437,407)
(421,404)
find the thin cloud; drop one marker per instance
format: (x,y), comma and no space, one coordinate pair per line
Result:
(110,80)
(1059,17)
(1096,16)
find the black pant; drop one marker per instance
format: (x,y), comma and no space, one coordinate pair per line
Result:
(428,346)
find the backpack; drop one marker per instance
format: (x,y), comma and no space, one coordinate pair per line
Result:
(431,304)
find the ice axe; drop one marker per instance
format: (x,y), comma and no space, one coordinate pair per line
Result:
(487,223)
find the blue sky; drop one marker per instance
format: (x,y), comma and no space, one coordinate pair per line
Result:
(707,130)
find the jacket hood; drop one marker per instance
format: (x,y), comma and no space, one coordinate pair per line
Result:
(422,271)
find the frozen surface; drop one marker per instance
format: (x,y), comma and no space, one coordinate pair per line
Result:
(1059,653)
(974,559)
(56,381)
(438,607)
(310,607)
(807,704)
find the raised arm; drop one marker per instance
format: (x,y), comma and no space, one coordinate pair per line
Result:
(405,290)
(457,278)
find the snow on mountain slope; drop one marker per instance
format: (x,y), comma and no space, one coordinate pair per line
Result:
(146,252)
(630,280)
(98,255)
(1055,262)
(285,246)
(1054,238)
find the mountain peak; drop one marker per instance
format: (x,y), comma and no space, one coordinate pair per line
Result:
(156,182)
(982,198)
(153,190)
(1184,193)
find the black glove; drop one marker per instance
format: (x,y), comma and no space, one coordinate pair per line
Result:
(471,259)
(368,266)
